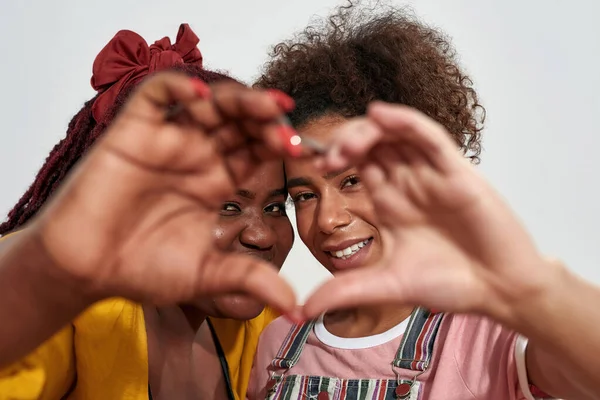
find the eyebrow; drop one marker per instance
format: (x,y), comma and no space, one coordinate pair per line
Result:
(334,174)
(247,194)
(300,181)
(278,192)
(305,181)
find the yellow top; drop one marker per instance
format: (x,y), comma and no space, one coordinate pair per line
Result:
(106,348)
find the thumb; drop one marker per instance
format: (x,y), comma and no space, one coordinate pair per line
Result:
(224,273)
(163,90)
(350,143)
(360,287)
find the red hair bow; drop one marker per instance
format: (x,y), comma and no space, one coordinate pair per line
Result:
(127,59)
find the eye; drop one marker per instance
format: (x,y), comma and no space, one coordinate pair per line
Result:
(303,196)
(230,209)
(277,208)
(352,180)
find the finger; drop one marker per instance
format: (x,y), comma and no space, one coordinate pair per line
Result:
(205,114)
(172,148)
(356,288)
(388,200)
(247,106)
(235,101)
(401,123)
(154,95)
(241,164)
(228,138)
(275,135)
(351,143)
(271,136)
(237,273)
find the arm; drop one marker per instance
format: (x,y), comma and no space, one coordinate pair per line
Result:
(485,261)
(35,302)
(563,354)
(124,217)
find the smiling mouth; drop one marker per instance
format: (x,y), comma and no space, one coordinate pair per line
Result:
(350,250)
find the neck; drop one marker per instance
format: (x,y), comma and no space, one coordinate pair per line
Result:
(365,321)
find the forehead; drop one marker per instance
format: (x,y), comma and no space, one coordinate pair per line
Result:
(321,128)
(267,177)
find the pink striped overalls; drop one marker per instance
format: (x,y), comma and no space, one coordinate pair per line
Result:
(414,353)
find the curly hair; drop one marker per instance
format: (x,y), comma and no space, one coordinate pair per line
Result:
(357,55)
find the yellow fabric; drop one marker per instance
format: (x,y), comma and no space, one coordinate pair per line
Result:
(45,374)
(239,341)
(107,347)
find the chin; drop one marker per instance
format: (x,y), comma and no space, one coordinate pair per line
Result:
(238,307)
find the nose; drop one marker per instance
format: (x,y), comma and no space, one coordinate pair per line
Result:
(332,213)
(258,234)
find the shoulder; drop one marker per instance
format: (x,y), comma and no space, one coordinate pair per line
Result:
(112,317)
(483,351)
(475,330)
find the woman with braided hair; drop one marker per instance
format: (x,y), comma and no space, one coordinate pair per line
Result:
(119,349)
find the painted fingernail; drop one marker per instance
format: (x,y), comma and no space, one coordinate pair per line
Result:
(201,88)
(284,101)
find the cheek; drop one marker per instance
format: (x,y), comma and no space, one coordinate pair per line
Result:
(359,203)
(285,235)
(364,209)
(225,233)
(304,221)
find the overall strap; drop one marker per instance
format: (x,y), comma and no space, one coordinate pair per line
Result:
(416,348)
(292,346)
(222,360)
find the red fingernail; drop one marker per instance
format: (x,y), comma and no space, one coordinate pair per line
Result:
(291,140)
(201,88)
(283,100)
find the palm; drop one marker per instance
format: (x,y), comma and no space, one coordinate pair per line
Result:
(143,205)
(451,243)
(434,257)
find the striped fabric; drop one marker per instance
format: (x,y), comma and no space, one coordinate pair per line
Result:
(414,353)
(417,344)
(292,346)
(309,387)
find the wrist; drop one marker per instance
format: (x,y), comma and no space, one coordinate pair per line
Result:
(527,310)
(45,277)
(34,297)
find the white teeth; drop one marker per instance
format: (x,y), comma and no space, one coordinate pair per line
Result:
(350,250)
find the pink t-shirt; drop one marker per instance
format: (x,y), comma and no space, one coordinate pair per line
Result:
(473,358)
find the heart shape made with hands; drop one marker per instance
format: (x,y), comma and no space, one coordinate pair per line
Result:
(452,244)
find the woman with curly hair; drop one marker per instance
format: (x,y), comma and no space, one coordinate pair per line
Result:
(333,72)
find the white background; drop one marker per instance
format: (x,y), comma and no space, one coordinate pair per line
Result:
(535,64)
